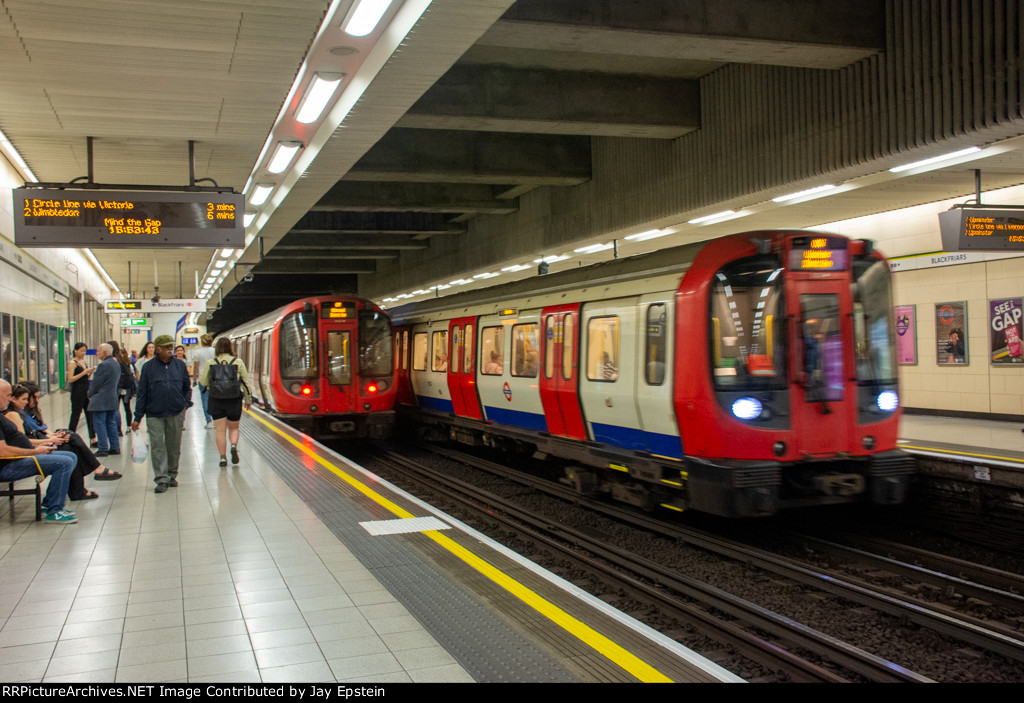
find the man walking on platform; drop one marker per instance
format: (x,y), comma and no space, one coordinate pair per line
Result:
(103,401)
(165,391)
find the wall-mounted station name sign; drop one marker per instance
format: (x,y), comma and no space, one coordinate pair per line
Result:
(982,229)
(50,217)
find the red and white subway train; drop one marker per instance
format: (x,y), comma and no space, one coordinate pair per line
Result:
(738,377)
(324,365)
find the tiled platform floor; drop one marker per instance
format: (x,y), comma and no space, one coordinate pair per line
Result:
(229,577)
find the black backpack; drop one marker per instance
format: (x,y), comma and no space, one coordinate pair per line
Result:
(127,382)
(225,383)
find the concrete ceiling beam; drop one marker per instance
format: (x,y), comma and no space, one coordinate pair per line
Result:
(825,34)
(446,156)
(503,99)
(350,196)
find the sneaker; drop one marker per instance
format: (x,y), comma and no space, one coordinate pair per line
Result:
(234,454)
(210,425)
(173,483)
(60,517)
(223,460)
(160,488)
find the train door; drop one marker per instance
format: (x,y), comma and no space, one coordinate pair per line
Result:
(824,393)
(559,379)
(656,357)
(338,337)
(608,383)
(403,350)
(462,367)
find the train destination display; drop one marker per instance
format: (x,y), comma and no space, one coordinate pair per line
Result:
(127,219)
(982,229)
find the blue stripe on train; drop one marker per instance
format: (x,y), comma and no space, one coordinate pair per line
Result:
(638,440)
(439,404)
(517,418)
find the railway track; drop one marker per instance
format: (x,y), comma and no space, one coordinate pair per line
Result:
(777,643)
(980,588)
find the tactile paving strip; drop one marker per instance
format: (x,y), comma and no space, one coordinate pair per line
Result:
(475,635)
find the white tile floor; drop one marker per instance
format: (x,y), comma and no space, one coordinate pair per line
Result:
(229,577)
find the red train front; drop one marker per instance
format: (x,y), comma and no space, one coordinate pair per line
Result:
(325,365)
(796,392)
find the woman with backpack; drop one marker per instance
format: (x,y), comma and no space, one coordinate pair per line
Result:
(228,384)
(127,386)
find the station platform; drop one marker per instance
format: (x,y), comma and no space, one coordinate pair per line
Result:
(964,438)
(296,566)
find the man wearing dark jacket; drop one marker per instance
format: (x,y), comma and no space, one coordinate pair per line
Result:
(165,391)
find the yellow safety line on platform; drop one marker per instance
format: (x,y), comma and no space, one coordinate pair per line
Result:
(586,634)
(1017,460)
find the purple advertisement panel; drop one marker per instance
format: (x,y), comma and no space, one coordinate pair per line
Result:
(906,333)
(1004,328)
(951,334)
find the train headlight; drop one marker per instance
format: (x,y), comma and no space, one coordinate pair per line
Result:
(887,401)
(307,389)
(747,408)
(371,388)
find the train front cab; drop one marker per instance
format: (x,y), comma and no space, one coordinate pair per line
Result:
(802,407)
(334,370)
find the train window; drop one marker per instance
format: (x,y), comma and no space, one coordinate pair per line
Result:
(823,347)
(339,357)
(874,336)
(375,350)
(468,348)
(603,349)
(492,349)
(525,352)
(654,346)
(8,349)
(33,351)
(420,352)
(550,332)
(297,345)
(405,350)
(456,353)
(746,325)
(439,344)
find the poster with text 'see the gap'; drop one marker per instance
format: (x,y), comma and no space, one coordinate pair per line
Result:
(1005,325)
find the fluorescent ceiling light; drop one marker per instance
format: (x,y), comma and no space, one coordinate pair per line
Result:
(935,159)
(593,248)
(220,264)
(247,220)
(802,193)
(517,267)
(707,218)
(650,234)
(261,193)
(551,259)
(318,94)
(489,274)
(283,155)
(364,16)
(459,282)
(227,252)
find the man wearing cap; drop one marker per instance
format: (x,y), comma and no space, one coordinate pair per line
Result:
(165,392)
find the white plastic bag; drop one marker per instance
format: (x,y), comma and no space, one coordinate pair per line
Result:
(140,449)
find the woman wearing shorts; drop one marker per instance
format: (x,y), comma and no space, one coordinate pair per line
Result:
(226,412)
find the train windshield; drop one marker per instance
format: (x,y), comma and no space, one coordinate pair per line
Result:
(375,348)
(747,325)
(872,324)
(297,346)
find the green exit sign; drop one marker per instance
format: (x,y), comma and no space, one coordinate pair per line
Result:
(134,322)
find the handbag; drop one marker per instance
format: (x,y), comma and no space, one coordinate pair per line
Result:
(140,448)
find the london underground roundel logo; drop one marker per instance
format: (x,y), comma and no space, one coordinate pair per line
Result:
(507,391)
(946,314)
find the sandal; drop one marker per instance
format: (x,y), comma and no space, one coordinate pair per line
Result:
(106,475)
(89,495)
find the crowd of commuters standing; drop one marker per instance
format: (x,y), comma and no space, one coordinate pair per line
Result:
(160,381)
